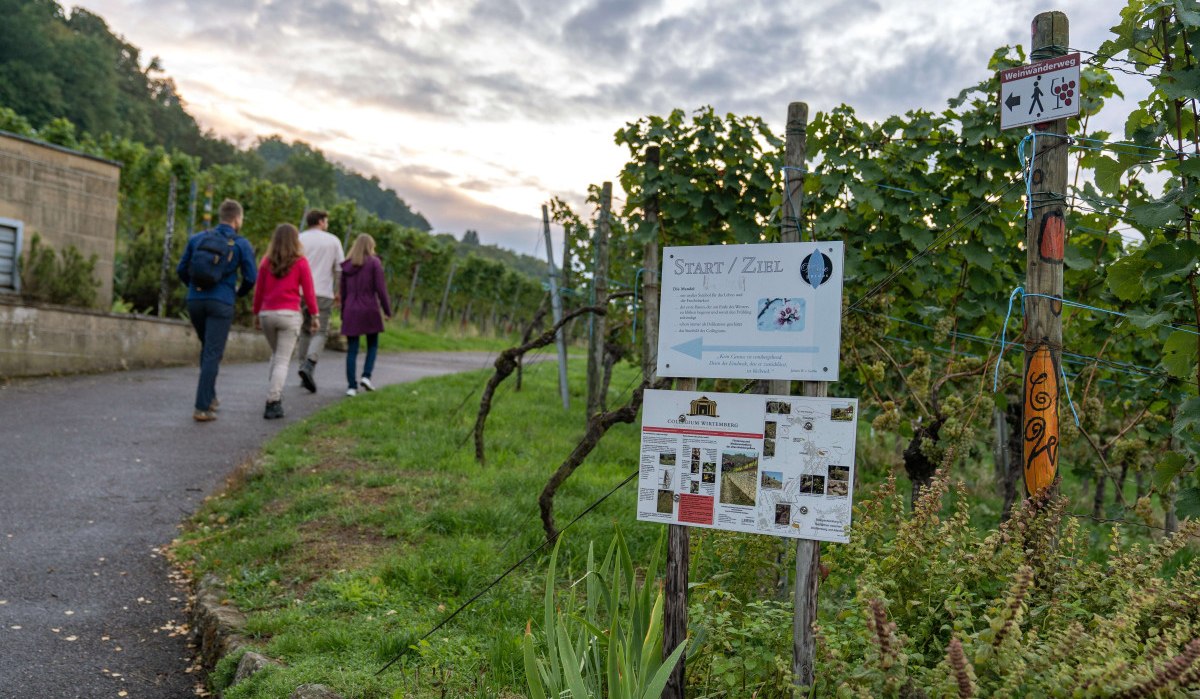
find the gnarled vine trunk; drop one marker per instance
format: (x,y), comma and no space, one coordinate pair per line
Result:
(507,363)
(597,425)
(919,467)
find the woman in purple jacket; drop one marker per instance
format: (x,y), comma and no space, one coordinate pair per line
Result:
(364,292)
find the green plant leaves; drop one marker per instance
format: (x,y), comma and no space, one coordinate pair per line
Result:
(1155,214)
(1180,354)
(1180,84)
(1167,469)
(1176,259)
(533,670)
(1188,417)
(1125,277)
(1187,502)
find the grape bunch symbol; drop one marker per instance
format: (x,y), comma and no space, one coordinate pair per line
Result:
(1062,90)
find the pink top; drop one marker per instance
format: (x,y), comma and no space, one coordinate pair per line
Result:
(273,293)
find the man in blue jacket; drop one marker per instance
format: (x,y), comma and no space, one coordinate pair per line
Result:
(209,267)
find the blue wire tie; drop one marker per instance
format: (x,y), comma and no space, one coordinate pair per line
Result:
(1004,335)
(1067,390)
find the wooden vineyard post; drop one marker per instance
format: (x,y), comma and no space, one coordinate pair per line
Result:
(191,227)
(1045,244)
(650,271)
(675,602)
(808,552)
(556,304)
(675,612)
(595,393)
(446,294)
(412,291)
(566,258)
(166,256)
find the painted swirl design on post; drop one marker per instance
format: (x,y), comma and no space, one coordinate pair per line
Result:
(1041,421)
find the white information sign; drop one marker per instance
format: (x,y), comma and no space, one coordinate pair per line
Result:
(766,311)
(1039,92)
(781,465)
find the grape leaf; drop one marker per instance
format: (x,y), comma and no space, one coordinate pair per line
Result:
(1187,502)
(1155,214)
(1167,469)
(1125,277)
(1179,355)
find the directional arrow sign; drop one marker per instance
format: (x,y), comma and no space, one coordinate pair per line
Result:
(765,311)
(696,348)
(1040,92)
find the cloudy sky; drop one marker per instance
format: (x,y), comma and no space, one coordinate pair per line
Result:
(478,111)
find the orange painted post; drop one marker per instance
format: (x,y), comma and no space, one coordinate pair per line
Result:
(1045,243)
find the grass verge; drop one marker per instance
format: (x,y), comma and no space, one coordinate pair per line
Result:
(363,526)
(423,336)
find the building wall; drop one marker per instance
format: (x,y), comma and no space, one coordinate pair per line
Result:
(41,340)
(65,197)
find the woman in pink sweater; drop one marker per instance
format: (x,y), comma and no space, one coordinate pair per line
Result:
(282,276)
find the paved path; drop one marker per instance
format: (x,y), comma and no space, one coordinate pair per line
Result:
(98,471)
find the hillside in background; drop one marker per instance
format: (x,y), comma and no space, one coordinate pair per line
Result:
(54,65)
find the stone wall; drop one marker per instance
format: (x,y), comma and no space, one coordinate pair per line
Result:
(41,339)
(66,197)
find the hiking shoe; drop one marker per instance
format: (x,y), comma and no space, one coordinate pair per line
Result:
(365,384)
(274,410)
(204,416)
(351,392)
(306,377)
(212,407)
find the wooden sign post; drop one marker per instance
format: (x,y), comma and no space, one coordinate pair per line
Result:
(1045,243)
(808,552)
(675,597)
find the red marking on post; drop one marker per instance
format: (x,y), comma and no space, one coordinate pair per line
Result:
(1052,238)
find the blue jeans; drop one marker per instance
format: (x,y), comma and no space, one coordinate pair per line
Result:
(352,357)
(212,320)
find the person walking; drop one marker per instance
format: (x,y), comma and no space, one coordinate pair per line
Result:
(324,253)
(283,276)
(364,293)
(209,266)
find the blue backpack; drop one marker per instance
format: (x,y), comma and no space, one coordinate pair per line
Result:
(212,258)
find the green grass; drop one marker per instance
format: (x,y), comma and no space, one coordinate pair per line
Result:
(423,336)
(362,527)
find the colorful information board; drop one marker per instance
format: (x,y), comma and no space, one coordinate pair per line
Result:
(781,465)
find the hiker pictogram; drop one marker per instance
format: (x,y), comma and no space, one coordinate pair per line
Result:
(1036,98)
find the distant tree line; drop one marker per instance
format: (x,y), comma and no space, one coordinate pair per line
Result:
(54,65)
(69,81)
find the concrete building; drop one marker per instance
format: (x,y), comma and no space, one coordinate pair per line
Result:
(66,197)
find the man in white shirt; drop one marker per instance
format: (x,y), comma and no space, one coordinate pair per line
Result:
(325,255)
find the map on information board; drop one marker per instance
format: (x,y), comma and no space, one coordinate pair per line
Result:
(766,311)
(780,465)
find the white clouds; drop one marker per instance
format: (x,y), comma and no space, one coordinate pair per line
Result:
(476,111)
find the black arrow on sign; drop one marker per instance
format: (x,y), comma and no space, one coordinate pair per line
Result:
(1012,101)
